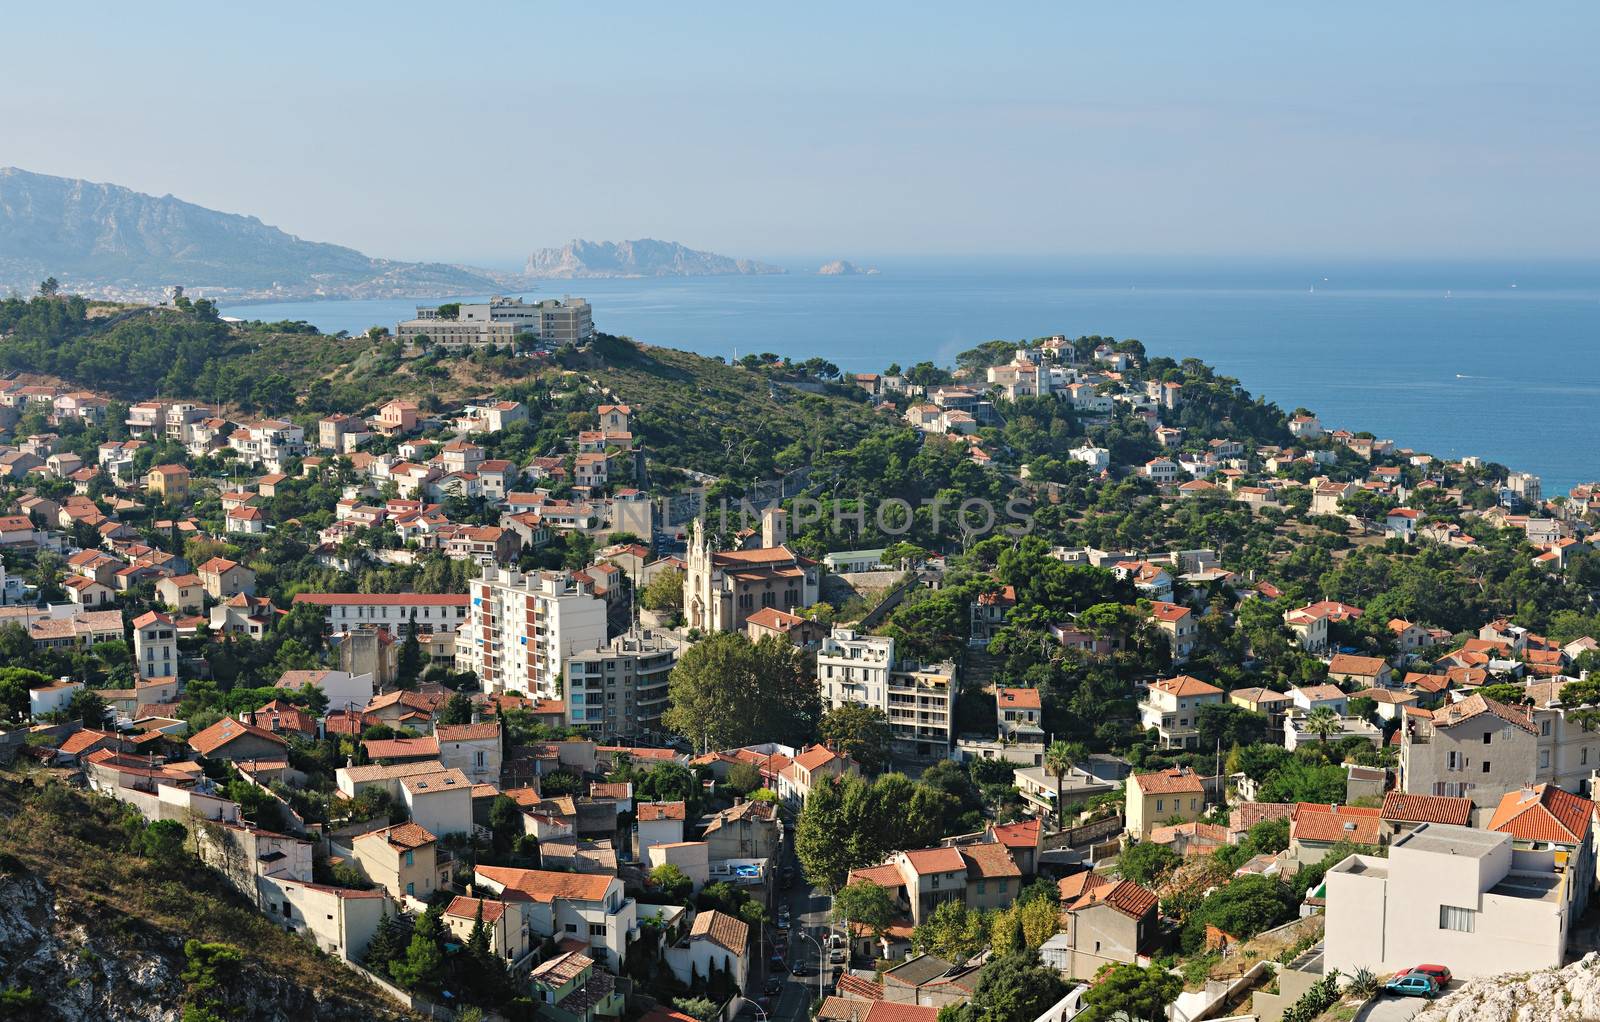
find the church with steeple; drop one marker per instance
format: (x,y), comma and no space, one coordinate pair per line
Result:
(721,588)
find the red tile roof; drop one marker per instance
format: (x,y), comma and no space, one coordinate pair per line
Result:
(1018,698)
(228,730)
(406,836)
(545,886)
(851,985)
(1319,693)
(1073,887)
(814,757)
(649,811)
(1247,814)
(989,860)
(1360,666)
(1170,781)
(402,748)
(1325,824)
(1162,611)
(1399,807)
(78,741)
(1125,896)
(774,619)
(1024,834)
(1476,705)
(721,929)
(467,908)
(887,875)
(1427,682)
(1184,685)
(466,732)
(1545,813)
(890,1011)
(936,860)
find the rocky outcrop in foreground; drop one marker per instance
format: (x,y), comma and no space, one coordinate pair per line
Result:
(1567,994)
(59,966)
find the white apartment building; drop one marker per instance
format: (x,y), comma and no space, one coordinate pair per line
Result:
(620,689)
(271,443)
(520,629)
(500,320)
(918,699)
(430,612)
(1526,485)
(1448,894)
(155,646)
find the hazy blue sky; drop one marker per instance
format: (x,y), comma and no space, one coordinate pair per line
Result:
(479,131)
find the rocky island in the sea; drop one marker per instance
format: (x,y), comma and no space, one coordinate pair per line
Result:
(845,268)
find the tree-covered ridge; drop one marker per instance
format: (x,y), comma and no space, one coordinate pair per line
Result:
(692,412)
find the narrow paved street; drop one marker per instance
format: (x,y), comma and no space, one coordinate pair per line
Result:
(808,933)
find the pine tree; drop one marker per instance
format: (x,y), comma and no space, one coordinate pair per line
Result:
(489,979)
(386,946)
(478,939)
(410,664)
(424,960)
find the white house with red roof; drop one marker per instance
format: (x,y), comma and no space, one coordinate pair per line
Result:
(510,938)
(1161,470)
(1171,707)
(1152,580)
(1401,523)
(245,521)
(1019,713)
(590,907)
(811,766)
(715,940)
(1178,624)
(1310,623)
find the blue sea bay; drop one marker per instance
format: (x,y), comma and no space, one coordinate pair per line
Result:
(1454,359)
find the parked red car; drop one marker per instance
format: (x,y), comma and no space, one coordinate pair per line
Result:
(1438,973)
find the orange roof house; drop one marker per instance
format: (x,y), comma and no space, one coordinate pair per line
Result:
(1544,813)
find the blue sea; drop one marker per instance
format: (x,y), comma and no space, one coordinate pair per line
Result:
(1502,361)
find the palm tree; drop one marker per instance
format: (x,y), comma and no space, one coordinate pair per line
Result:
(1058,760)
(1322,722)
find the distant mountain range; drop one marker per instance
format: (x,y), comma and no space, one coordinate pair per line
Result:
(108,241)
(112,241)
(643,258)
